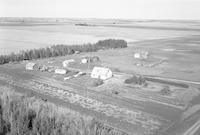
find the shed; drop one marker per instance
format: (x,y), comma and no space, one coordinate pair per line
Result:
(90,59)
(101,73)
(84,60)
(31,66)
(67,62)
(137,55)
(60,71)
(141,55)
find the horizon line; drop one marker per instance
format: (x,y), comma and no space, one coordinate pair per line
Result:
(152,19)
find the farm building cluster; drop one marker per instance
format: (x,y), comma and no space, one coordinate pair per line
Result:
(98,72)
(91,71)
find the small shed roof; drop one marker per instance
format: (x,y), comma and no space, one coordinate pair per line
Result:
(30,64)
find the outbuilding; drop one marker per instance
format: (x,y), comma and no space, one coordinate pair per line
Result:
(84,60)
(31,66)
(141,55)
(101,73)
(60,71)
(137,55)
(67,62)
(90,59)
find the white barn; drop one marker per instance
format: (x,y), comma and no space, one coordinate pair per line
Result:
(101,73)
(31,66)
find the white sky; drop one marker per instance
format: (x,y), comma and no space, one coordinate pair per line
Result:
(132,9)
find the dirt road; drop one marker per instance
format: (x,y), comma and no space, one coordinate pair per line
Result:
(192,130)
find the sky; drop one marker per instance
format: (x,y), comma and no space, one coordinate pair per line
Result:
(124,9)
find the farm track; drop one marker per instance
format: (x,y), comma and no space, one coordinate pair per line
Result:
(175,80)
(135,117)
(156,98)
(193,129)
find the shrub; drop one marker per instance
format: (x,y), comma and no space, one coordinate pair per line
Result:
(96,82)
(165,91)
(139,80)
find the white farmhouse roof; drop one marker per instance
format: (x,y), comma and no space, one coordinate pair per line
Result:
(101,73)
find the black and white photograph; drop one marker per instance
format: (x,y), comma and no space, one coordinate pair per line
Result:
(99,67)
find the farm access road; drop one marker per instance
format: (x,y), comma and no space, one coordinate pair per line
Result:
(193,129)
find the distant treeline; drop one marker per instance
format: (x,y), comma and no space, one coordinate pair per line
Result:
(62,50)
(83,24)
(21,115)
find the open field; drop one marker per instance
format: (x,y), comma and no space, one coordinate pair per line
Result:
(172,62)
(16,36)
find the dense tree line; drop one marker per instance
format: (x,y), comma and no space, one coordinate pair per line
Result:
(28,116)
(62,50)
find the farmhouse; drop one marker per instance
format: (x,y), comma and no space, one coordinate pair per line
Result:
(60,71)
(67,62)
(101,73)
(31,66)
